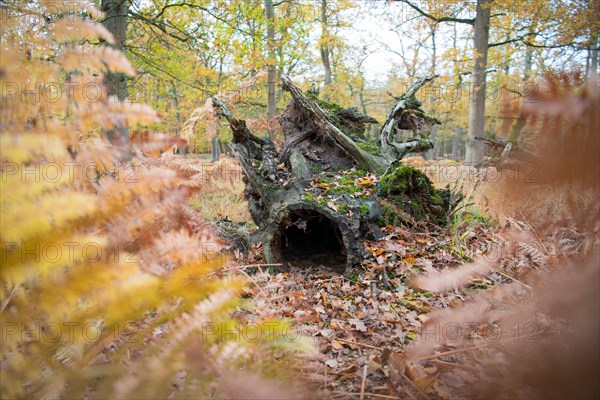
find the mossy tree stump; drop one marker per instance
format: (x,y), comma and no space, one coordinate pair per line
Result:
(318,197)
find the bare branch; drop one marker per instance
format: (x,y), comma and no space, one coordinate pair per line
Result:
(469,21)
(514,40)
(389,147)
(326,125)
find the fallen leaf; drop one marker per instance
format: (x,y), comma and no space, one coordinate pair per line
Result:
(301,225)
(395,247)
(358,324)
(451,379)
(410,260)
(334,325)
(336,345)
(327,333)
(417,374)
(430,370)
(389,317)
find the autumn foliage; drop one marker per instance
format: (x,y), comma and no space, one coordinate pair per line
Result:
(110,285)
(536,337)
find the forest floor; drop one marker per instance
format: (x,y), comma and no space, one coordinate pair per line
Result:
(361,324)
(357,322)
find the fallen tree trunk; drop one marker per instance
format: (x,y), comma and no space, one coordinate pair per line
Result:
(406,114)
(316,200)
(505,155)
(304,115)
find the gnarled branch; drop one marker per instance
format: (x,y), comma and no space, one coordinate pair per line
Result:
(406,114)
(327,126)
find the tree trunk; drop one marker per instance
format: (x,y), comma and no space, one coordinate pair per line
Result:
(115,21)
(304,199)
(272,73)
(521,120)
(455,141)
(310,110)
(281,60)
(411,121)
(528,63)
(325,52)
(175,95)
(431,153)
(595,54)
(361,97)
(215,149)
(477,106)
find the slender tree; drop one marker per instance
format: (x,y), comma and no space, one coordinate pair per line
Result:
(476,125)
(115,21)
(325,51)
(595,54)
(433,72)
(560,24)
(481,26)
(271,66)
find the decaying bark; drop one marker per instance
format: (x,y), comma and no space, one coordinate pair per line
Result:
(506,155)
(294,226)
(407,115)
(304,120)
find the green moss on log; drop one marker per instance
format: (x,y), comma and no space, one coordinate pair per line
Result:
(340,192)
(328,106)
(411,191)
(370,148)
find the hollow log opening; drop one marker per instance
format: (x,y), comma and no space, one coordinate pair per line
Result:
(307,239)
(299,225)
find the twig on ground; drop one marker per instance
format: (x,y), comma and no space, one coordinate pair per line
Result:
(464,349)
(12,293)
(384,396)
(454,365)
(360,344)
(364,381)
(514,279)
(255,284)
(242,267)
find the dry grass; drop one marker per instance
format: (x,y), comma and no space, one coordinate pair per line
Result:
(486,191)
(549,210)
(221,193)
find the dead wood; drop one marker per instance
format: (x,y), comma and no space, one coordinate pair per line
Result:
(302,222)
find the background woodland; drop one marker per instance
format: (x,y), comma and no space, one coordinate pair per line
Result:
(115,284)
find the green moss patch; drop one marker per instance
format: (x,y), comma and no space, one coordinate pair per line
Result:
(403,194)
(342,191)
(370,148)
(410,190)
